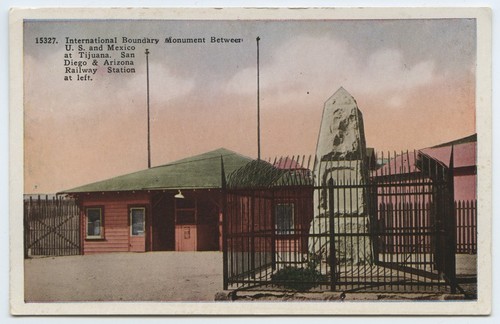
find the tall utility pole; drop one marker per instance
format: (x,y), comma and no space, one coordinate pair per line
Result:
(147,87)
(258,100)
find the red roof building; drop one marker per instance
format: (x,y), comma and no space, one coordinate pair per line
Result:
(464,164)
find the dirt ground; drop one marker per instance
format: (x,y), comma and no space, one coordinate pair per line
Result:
(152,276)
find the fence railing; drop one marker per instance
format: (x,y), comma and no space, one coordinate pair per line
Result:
(402,224)
(466,220)
(51,227)
(341,227)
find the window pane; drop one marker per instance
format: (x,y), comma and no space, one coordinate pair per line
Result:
(93,222)
(284,218)
(137,221)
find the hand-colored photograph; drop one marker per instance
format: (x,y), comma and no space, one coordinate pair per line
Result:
(250,160)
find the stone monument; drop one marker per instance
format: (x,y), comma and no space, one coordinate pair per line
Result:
(339,170)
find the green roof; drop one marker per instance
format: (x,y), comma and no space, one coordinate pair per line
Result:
(197,172)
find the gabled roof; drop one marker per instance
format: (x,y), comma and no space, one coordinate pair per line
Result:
(464,152)
(197,172)
(464,155)
(468,139)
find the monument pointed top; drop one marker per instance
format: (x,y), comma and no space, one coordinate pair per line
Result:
(341,91)
(341,133)
(342,95)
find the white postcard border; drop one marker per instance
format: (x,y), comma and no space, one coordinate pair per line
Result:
(484,170)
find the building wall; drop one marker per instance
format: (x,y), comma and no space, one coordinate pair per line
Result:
(202,232)
(161,231)
(250,218)
(115,208)
(302,200)
(465,184)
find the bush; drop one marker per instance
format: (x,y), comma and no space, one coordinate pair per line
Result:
(300,279)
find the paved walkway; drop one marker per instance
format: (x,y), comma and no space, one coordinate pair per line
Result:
(152,276)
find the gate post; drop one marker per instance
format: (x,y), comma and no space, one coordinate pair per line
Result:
(273,232)
(224,239)
(224,233)
(251,230)
(445,223)
(451,265)
(26,218)
(373,217)
(331,216)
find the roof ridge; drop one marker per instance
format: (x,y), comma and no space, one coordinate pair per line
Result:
(190,159)
(159,176)
(464,140)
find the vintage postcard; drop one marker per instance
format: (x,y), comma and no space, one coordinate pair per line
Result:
(250,161)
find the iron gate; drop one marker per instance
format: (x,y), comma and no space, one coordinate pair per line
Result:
(281,231)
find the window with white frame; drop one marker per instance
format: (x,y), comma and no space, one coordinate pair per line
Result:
(137,221)
(284,218)
(95,228)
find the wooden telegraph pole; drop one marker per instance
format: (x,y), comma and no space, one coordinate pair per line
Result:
(258,100)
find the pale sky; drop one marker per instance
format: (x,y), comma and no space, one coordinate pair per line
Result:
(413,80)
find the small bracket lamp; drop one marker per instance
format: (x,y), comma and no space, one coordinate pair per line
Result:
(179,195)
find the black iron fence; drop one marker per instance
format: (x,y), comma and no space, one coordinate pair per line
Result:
(466,216)
(344,226)
(51,227)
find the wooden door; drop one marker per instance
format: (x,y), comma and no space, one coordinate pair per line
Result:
(186,238)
